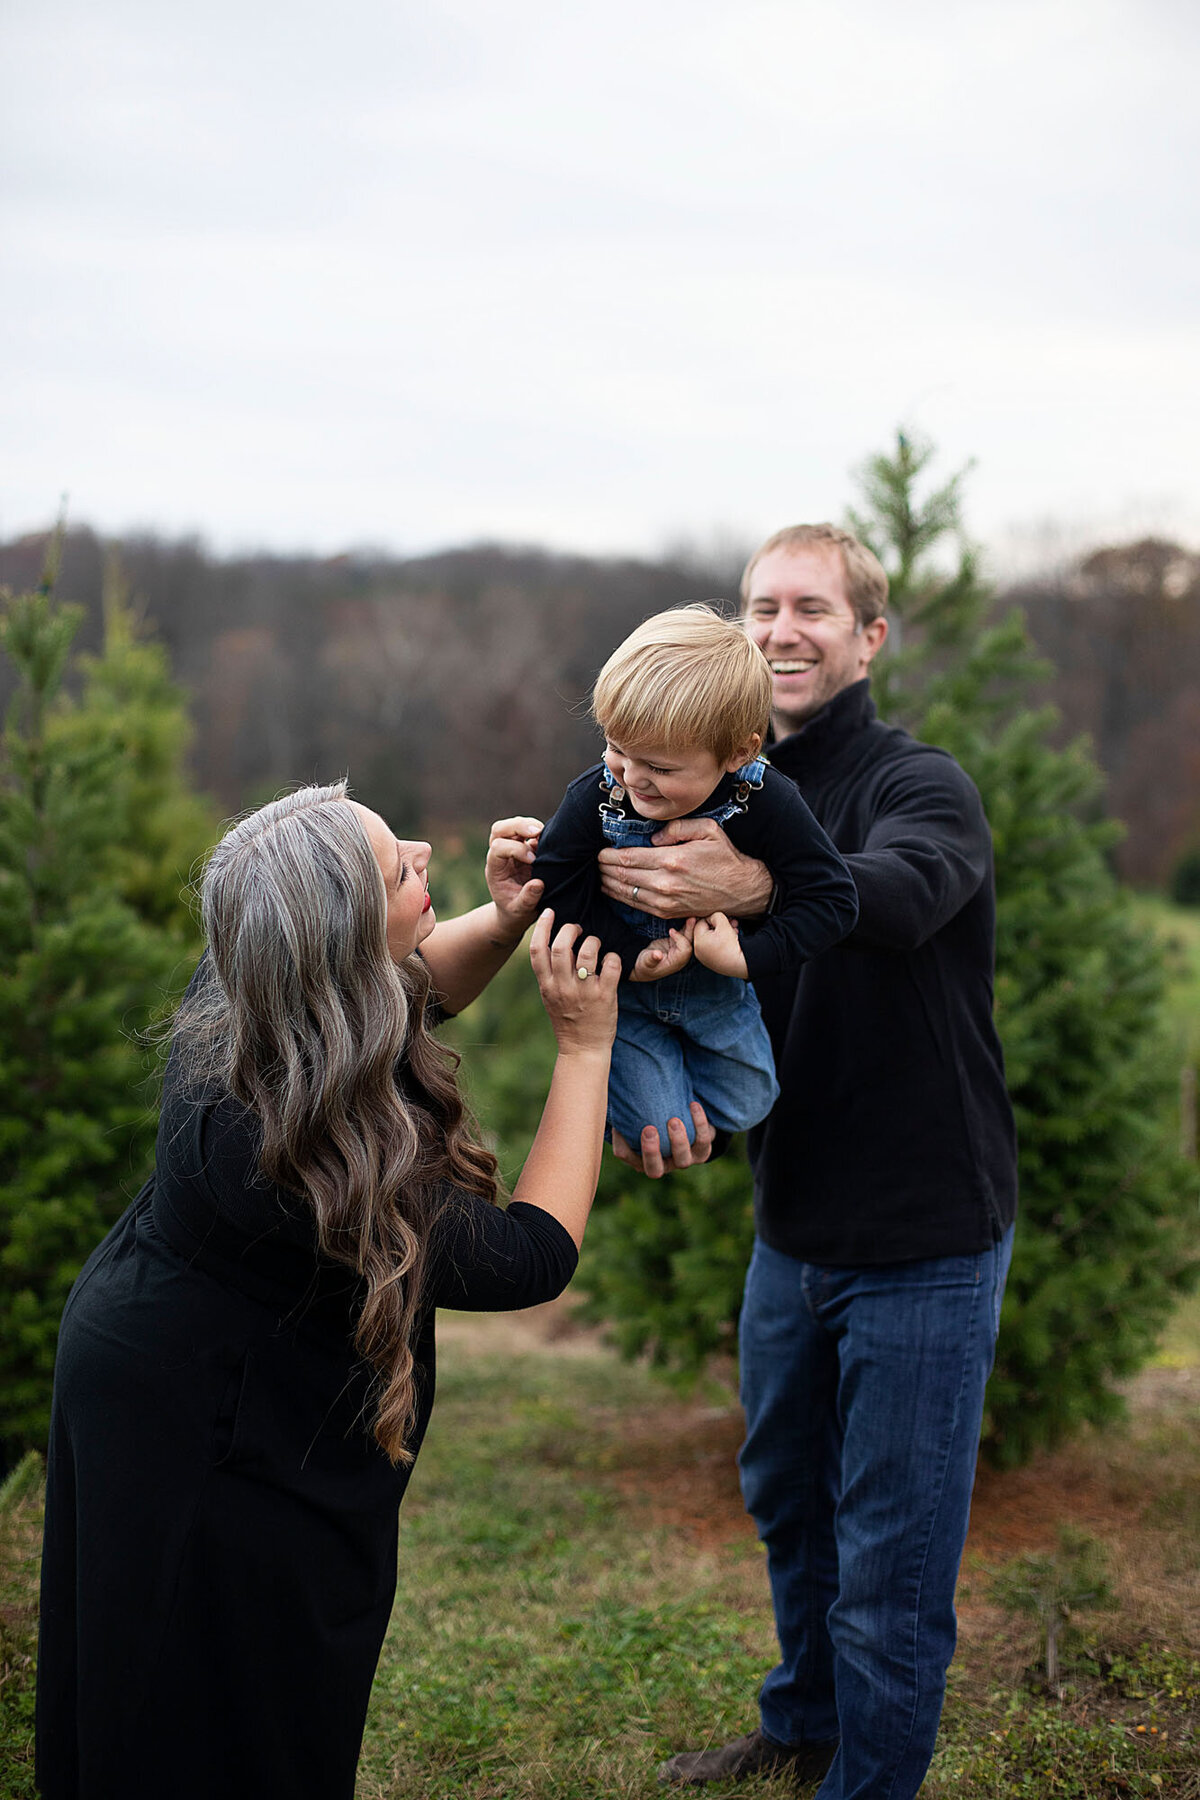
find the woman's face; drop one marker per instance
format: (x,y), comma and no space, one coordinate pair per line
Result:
(404,865)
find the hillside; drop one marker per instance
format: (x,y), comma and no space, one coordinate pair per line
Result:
(452,687)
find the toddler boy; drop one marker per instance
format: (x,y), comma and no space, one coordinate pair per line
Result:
(684,704)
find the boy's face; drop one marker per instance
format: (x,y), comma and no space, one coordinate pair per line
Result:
(666,784)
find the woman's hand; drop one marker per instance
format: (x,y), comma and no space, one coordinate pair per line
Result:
(463,954)
(717,947)
(512,846)
(665,956)
(580,997)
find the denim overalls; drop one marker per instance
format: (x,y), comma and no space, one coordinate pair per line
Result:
(696,1035)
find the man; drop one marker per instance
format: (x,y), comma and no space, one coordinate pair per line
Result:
(885,1191)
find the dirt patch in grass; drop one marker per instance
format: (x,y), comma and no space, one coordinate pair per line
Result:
(1019,1511)
(680,1462)
(1134,1488)
(680,1466)
(675,1460)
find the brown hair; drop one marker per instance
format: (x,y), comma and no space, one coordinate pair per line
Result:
(685,678)
(311,1025)
(866,579)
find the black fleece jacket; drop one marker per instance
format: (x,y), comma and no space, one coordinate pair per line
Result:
(893,1136)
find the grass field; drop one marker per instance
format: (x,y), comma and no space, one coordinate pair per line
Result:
(580,1593)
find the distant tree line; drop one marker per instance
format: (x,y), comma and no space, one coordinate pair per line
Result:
(452,688)
(1122,631)
(449,687)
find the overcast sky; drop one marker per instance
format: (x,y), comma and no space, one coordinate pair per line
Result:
(307,276)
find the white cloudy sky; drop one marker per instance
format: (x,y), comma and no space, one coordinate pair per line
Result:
(309,276)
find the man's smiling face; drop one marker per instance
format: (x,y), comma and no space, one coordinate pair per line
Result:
(800,616)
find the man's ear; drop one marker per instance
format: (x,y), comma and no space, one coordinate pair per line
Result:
(872,638)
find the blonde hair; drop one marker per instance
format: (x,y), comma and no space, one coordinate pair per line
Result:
(309,1023)
(685,679)
(866,579)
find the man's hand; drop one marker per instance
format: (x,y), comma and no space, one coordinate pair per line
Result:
(689,871)
(665,956)
(716,946)
(683,1155)
(512,846)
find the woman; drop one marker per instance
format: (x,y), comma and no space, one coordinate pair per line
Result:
(246,1363)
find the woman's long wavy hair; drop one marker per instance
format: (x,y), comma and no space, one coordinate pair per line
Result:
(312,1026)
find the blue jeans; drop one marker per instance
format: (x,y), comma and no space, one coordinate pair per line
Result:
(691,1036)
(863,1389)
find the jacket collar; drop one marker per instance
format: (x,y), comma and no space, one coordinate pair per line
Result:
(836,729)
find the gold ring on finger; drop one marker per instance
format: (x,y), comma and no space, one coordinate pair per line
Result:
(583,973)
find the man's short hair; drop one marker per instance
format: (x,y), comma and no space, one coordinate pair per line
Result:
(866,579)
(685,679)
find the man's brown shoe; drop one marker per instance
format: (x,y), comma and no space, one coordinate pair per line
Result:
(752,1755)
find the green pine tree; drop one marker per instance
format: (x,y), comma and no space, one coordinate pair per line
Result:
(93,943)
(1107,1236)
(665,1269)
(130,700)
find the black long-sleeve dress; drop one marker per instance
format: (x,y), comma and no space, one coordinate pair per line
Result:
(221,1527)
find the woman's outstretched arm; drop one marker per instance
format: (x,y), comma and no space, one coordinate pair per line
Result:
(463,954)
(563,1165)
(490,1260)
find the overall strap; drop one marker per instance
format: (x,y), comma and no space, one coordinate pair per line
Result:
(750,777)
(747,780)
(612,795)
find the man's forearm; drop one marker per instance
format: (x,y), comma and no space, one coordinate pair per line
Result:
(755,895)
(689,878)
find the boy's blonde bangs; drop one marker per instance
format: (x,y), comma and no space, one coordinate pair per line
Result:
(685,679)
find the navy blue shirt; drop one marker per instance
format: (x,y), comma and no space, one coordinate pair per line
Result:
(814,903)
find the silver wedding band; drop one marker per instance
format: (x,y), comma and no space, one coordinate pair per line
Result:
(636,890)
(583,973)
